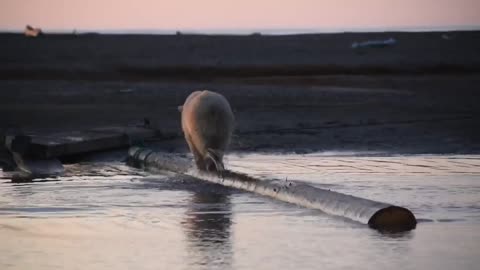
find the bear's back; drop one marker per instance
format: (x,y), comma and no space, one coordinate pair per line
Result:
(208,119)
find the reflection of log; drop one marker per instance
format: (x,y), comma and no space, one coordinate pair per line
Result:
(32,32)
(377,215)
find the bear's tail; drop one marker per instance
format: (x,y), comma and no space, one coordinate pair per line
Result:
(214,158)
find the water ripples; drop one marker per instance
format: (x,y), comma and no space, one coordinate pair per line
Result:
(104,214)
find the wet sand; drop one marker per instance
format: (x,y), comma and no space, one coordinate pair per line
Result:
(429,114)
(290,93)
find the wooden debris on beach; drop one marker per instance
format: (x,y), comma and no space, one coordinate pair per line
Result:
(54,145)
(6,160)
(32,32)
(36,154)
(374,43)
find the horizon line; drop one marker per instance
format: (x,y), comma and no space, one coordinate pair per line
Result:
(247,31)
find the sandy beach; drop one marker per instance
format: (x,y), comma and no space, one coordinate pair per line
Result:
(298,93)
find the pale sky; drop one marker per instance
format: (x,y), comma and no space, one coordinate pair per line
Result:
(158,15)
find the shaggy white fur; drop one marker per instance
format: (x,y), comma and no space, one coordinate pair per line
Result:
(207,123)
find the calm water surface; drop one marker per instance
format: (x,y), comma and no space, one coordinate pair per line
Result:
(105,215)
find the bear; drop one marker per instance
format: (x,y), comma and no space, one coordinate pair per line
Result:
(207,124)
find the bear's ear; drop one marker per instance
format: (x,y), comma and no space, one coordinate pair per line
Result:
(180,108)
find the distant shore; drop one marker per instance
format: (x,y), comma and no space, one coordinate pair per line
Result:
(184,56)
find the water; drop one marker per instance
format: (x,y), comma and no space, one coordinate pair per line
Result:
(105,215)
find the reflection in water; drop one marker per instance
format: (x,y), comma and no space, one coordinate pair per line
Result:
(207,221)
(397,235)
(23,190)
(207,227)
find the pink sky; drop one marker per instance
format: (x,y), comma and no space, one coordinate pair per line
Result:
(90,15)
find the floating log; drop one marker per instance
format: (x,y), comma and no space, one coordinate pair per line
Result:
(378,215)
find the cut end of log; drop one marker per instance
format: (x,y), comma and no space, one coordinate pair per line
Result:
(393,219)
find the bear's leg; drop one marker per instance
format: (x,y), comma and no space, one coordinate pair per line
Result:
(196,154)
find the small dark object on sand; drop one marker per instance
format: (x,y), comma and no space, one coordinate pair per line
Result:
(374,43)
(146,122)
(32,32)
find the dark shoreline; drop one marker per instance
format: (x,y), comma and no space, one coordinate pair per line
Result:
(154,57)
(209,73)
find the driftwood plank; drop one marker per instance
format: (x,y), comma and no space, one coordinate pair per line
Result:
(46,146)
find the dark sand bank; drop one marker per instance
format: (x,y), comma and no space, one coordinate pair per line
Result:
(401,114)
(420,96)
